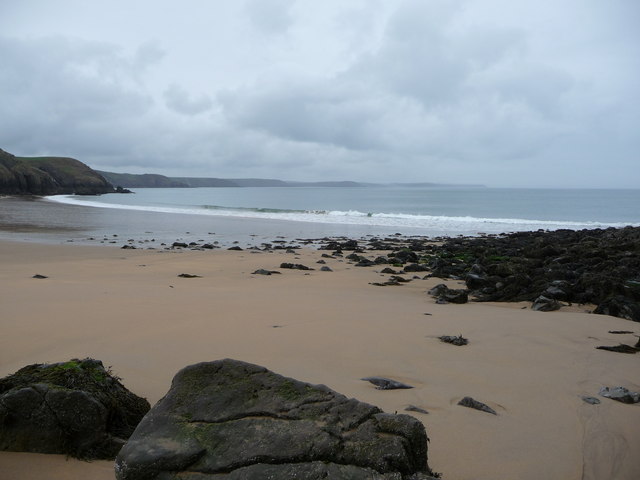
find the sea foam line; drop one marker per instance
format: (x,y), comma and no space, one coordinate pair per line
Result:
(439,223)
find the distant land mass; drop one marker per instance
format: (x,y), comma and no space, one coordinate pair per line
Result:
(159,181)
(64,175)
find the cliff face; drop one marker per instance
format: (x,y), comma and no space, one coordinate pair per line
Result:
(49,176)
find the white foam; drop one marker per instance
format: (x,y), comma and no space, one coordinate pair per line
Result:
(433,223)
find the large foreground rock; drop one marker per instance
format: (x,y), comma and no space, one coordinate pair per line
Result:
(75,408)
(233,420)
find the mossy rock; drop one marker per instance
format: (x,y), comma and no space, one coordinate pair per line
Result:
(77,408)
(234,420)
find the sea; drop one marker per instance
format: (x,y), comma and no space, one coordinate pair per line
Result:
(251,215)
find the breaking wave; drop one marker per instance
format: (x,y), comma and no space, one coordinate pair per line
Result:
(433,223)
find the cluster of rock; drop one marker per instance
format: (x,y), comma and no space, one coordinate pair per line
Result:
(599,266)
(76,408)
(224,419)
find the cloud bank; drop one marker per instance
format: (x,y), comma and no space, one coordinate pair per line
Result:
(536,94)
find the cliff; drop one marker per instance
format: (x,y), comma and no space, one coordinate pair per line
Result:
(49,176)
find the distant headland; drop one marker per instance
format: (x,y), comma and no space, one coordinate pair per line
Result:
(63,175)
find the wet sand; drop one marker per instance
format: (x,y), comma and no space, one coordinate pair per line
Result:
(130,309)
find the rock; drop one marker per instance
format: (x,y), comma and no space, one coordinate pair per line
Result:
(415,267)
(544,304)
(399,279)
(619,306)
(476,281)
(382,383)
(321,262)
(188,275)
(622,348)
(179,245)
(445,294)
(262,271)
(620,394)
(590,400)
(294,266)
(389,270)
(413,408)
(404,256)
(37,275)
(236,248)
(386,284)
(458,341)
(365,262)
(325,269)
(620,332)
(558,290)
(233,420)
(74,408)
(471,403)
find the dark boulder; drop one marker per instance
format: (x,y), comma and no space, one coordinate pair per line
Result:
(471,403)
(389,270)
(382,383)
(453,340)
(74,408)
(294,266)
(230,419)
(365,262)
(544,304)
(620,306)
(476,281)
(622,348)
(262,271)
(404,256)
(621,394)
(445,294)
(416,267)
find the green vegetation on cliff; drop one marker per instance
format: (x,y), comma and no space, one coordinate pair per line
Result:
(49,176)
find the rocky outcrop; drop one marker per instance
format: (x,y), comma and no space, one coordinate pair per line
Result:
(75,408)
(233,420)
(49,176)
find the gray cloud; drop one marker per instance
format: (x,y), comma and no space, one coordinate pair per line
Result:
(179,100)
(424,92)
(489,92)
(270,16)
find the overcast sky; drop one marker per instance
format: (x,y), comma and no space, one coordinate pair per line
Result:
(500,92)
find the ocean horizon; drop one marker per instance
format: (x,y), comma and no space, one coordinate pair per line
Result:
(244,214)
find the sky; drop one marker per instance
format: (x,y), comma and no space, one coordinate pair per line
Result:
(528,93)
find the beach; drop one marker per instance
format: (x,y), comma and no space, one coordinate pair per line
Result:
(130,309)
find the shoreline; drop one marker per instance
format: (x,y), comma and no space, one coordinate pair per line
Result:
(130,309)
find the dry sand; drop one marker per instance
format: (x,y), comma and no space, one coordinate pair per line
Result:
(129,309)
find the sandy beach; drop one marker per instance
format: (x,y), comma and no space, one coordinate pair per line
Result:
(130,309)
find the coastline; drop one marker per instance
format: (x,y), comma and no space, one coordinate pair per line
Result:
(129,309)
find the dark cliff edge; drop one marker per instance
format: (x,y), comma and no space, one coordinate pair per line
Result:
(49,176)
